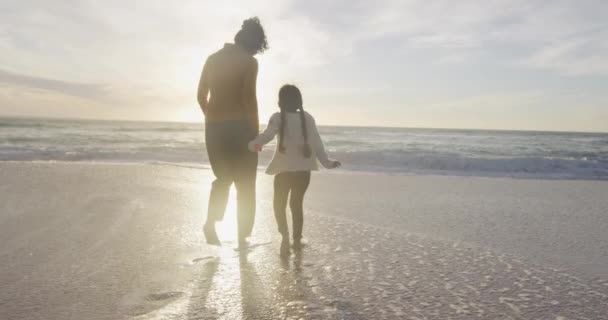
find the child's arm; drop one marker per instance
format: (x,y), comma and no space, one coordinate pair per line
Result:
(263,138)
(319,149)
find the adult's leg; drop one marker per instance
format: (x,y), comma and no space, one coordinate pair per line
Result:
(299,184)
(245,193)
(215,140)
(245,168)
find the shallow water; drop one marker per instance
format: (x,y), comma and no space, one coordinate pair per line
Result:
(555,155)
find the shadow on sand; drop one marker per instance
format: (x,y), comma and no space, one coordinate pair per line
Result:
(286,288)
(201,291)
(304,295)
(255,300)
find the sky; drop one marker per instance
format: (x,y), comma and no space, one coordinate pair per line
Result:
(493,64)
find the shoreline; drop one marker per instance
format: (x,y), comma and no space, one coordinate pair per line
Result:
(201,123)
(341,171)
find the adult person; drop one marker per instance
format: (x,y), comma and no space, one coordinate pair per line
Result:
(227,97)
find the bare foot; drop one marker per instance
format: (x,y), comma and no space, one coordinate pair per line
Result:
(285,247)
(211,235)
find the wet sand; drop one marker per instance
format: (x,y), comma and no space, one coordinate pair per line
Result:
(92,241)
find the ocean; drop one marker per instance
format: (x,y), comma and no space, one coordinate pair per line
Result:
(517,154)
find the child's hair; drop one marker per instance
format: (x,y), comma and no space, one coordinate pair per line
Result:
(290,100)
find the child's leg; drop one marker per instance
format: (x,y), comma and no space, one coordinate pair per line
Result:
(300,181)
(281,192)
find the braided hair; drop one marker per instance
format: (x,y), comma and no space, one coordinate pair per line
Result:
(290,100)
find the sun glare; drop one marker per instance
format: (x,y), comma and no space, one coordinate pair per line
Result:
(227,229)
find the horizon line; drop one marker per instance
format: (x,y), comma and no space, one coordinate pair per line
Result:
(322,125)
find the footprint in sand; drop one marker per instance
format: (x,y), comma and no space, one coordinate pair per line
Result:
(197,260)
(251,246)
(162,296)
(152,303)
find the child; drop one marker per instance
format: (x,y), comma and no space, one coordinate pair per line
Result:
(298,148)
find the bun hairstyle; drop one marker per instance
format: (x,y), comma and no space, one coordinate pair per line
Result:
(290,100)
(252,36)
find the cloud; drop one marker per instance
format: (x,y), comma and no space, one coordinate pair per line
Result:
(46,93)
(579,56)
(350,55)
(534,31)
(146,42)
(84,90)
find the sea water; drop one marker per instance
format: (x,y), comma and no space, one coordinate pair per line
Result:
(519,154)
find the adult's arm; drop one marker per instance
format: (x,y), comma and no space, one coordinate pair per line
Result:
(203,89)
(269,133)
(250,100)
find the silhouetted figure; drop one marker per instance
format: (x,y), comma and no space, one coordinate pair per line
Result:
(296,155)
(227,96)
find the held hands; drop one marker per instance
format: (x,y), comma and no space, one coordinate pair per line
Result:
(254,147)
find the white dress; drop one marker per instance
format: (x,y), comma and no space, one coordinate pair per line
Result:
(293,158)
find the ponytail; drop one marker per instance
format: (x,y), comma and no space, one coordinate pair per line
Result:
(290,100)
(282,132)
(306,148)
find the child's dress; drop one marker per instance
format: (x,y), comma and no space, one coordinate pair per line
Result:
(293,158)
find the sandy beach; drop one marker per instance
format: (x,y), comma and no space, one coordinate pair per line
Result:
(124,241)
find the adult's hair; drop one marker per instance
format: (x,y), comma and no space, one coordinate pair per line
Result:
(290,100)
(252,36)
